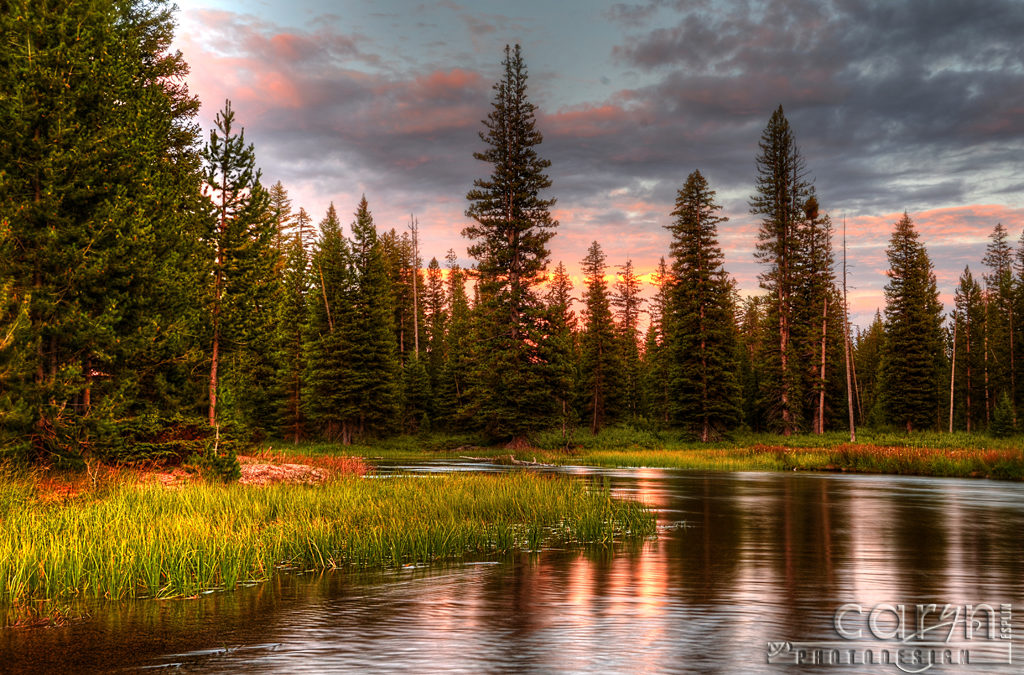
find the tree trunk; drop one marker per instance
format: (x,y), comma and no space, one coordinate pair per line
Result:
(414,226)
(967,358)
(820,422)
(1013,371)
(952,375)
(327,307)
(848,348)
(87,394)
(988,416)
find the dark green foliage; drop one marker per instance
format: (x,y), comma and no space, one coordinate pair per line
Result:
(509,238)
(290,338)
(416,396)
(562,347)
(655,365)
(628,304)
(703,392)
(912,353)
(782,191)
(755,336)
(329,395)
(375,367)
(818,320)
(436,321)
(1001,291)
(867,365)
(281,214)
(1003,425)
(450,393)
(402,268)
(970,327)
(600,347)
(245,286)
(99,192)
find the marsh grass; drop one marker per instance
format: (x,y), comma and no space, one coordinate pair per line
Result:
(907,460)
(137,540)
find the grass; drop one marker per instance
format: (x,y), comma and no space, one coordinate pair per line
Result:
(136,540)
(921,453)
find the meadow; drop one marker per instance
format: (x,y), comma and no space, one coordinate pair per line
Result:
(921,453)
(128,539)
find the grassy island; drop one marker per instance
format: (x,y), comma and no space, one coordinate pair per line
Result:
(145,539)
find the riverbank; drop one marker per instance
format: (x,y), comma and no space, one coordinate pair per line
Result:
(957,455)
(144,539)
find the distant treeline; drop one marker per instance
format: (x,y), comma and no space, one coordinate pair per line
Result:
(156,299)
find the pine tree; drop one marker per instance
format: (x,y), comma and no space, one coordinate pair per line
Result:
(655,367)
(330,395)
(376,369)
(913,333)
(782,191)
(970,353)
(436,322)
(304,229)
(99,188)
(281,213)
(244,279)
(562,345)
(628,303)
(416,396)
(451,392)
(704,393)
(755,337)
(402,268)
(1001,291)
(817,330)
(868,349)
(1003,425)
(600,347)
(512,226)
(291,348)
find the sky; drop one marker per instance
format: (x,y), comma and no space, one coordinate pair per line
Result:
(896,105)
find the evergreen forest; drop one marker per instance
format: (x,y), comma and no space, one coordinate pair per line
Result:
(158,300)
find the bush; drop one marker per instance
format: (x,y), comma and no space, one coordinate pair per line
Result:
(1002,425)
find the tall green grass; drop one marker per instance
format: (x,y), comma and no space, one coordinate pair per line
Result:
(897,460)
(145,540)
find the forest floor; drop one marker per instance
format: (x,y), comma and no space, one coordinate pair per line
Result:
(959,455)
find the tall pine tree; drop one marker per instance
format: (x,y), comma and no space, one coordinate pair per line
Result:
(913,333)
(782,190)
(600,347)
(244,265)
(377,374)
(628,304)
(99,198)
(512,226)
(330,386)
(704,394)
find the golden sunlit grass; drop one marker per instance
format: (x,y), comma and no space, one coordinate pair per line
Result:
(128,539)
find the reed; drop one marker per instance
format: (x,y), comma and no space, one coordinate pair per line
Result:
(135,540)
(908,460)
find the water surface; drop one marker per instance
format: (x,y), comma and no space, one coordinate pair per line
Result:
(741,560)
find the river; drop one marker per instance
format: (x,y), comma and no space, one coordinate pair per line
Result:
(744,564)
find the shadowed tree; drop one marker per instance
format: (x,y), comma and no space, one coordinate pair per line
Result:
(913,344)
(782,190)
(512,225)
(600,346)
(628,303)
(704,394)
(241,244)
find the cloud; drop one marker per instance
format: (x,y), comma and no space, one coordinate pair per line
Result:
(895,105)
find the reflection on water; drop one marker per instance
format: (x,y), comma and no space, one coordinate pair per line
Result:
(742,559)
